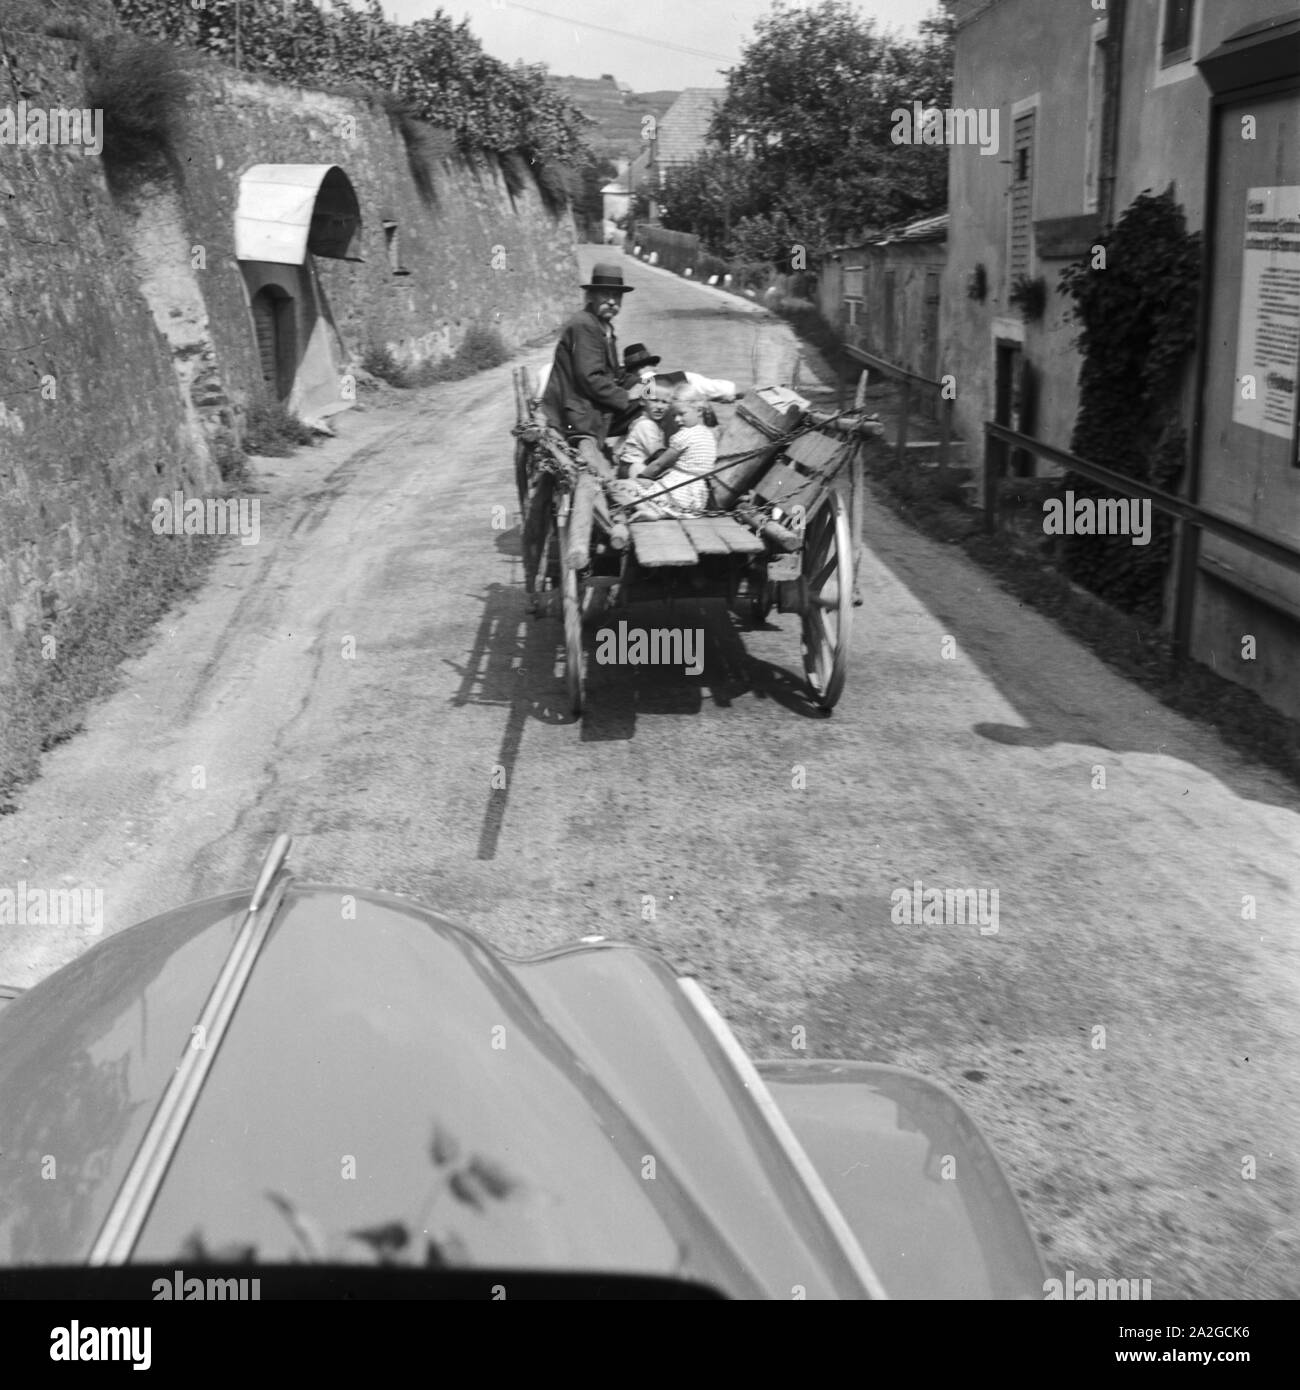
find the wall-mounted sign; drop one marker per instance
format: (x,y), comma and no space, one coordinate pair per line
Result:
(1268,333)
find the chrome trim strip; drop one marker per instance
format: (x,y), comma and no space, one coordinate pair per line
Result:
(275,860)
(786,1138)
(126,1217)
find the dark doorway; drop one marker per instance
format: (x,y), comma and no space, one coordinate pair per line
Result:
(273,324)
(930,348)
(1006,369)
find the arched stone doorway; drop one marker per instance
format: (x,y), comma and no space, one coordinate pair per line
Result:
(273,325)
(288,214)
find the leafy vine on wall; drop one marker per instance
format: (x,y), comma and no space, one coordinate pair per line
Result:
(1135,296)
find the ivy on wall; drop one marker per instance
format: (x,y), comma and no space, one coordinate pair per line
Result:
(435,69)
(1135,296)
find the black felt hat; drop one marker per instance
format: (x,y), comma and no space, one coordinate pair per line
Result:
(605,276)
(637,355)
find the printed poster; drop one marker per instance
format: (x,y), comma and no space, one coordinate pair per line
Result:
(1268,333)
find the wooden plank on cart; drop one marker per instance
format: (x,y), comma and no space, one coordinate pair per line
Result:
(815,452)
(783,483)
(739,539)
(702,531)
(661,543)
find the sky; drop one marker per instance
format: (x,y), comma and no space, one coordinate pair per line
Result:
(574,39)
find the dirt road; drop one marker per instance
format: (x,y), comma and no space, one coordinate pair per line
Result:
(366,678)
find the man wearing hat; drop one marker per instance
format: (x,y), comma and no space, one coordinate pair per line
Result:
(637,359)
(638,365)
(588,386)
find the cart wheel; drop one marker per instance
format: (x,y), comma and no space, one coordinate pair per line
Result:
(521,475)
(546,590)
(760,602)
(541,546)
(827,569)
(575,674)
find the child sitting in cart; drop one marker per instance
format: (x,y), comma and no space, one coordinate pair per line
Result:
(672,484)
(645,439)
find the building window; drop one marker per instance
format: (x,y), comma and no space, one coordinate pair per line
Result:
(1096,116)
(394,259)
(1022,194)
(852,293)
(1176,32)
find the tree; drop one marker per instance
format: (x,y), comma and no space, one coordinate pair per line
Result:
(805,130)
(706,195)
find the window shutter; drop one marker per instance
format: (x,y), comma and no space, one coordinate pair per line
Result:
(1022,194)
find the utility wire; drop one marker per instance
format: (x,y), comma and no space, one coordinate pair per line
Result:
(622,33)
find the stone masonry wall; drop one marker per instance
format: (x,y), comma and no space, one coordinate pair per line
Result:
(92,421)
(125,330)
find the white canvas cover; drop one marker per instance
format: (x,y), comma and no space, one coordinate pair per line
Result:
(277,204)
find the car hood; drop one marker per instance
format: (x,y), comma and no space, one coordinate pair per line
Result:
(389,1087)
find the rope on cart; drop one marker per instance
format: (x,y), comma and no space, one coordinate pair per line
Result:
(818,481)
(563,461)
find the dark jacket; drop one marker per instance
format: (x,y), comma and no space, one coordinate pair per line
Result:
(586,390)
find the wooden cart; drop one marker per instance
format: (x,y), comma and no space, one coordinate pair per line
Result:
(782,499)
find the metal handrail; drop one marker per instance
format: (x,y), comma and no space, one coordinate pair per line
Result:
(890,369)
(909,379)
(1190,512)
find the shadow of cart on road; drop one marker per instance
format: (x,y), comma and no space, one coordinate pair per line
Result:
(515,662)
(618,695)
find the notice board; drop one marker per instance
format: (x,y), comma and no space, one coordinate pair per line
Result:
(1268,327)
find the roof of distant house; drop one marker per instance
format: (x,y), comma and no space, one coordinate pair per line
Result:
(683,128)
(931,227)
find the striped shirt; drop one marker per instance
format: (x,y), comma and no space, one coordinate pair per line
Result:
(699,455)
(699,449)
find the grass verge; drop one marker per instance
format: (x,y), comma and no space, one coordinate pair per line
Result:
(51,693)
(480,349)
(274,431)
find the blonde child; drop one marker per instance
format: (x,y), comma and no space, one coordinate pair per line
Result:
(692,451)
